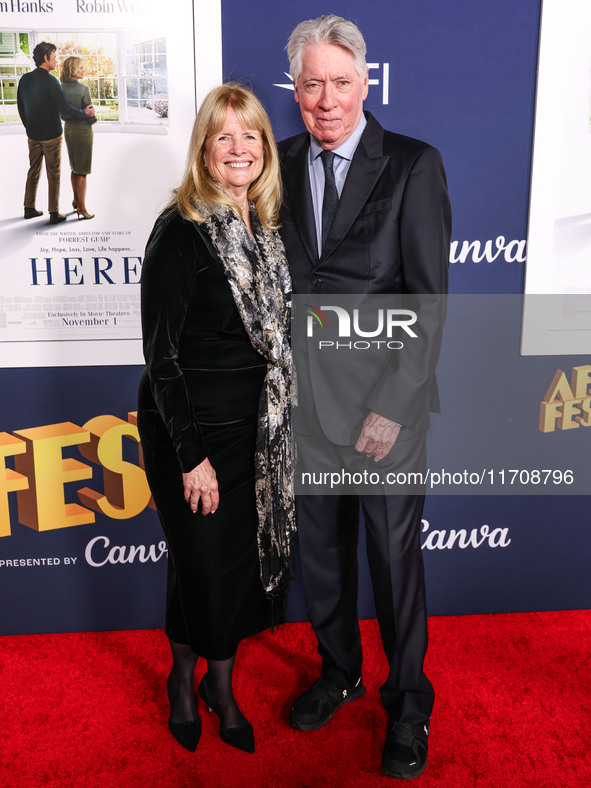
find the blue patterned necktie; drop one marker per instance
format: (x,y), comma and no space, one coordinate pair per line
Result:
(331,195)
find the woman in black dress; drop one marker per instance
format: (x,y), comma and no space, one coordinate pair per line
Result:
(213,408)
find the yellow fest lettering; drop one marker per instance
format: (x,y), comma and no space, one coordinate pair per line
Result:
(42,506)
(10,481)
(567,405)
(132,418)
(41,473)
(126,491)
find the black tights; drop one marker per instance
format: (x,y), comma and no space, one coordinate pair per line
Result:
(181,692)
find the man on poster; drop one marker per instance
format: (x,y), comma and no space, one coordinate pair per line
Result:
(365,211)
(41,101)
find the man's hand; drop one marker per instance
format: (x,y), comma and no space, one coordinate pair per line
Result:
(202,483)
(377,437)
(89,110)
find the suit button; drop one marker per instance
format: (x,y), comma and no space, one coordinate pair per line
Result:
(317,281)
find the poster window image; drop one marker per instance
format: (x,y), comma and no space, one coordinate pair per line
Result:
(124,70)
(69,289)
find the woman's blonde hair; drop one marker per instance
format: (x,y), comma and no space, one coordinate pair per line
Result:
(70,69)
(198,186)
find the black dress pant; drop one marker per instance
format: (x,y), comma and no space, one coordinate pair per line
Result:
(328,528)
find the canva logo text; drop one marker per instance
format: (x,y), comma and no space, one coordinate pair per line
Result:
(485,536)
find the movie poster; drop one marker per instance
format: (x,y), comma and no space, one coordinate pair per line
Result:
(559,236)
(69,292)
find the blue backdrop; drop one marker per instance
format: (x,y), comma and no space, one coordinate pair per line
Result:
(460,75)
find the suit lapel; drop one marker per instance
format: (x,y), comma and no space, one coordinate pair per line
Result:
(366,167)
(300,196)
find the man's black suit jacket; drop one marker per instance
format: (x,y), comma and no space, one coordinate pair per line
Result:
(391,235)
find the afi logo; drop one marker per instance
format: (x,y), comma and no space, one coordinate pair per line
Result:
(384,80)
(387,320)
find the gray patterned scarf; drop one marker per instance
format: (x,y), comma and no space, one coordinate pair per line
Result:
(257,271)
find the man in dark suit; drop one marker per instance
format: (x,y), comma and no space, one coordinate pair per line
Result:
(366,211)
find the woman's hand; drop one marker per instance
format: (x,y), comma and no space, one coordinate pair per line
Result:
(201,483)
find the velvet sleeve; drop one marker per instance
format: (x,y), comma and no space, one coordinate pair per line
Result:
(168,283)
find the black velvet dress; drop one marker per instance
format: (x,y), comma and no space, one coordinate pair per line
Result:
(199,398)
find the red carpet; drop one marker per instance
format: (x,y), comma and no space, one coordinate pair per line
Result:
(513,709)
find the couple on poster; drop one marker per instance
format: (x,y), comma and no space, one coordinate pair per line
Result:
(363,211)
(42,103)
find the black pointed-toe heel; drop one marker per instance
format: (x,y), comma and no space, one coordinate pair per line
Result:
(241,737)
(186,733)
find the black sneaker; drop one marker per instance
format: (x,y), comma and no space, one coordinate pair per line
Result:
(315,707)
(405,753)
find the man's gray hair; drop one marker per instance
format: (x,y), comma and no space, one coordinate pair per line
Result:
(329,29)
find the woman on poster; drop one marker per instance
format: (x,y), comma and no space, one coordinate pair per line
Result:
(78,133)
(213,409)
